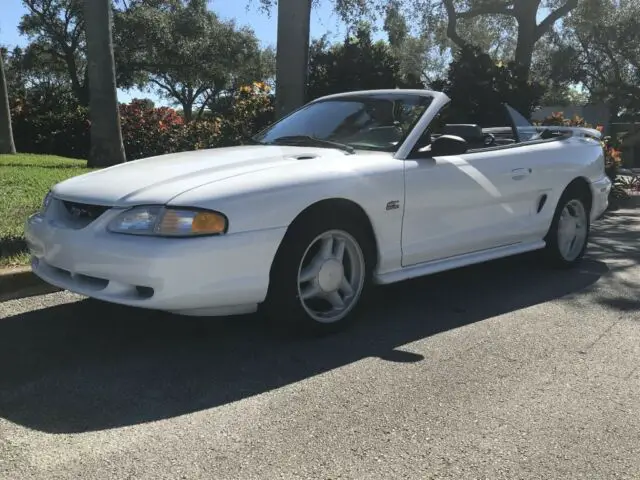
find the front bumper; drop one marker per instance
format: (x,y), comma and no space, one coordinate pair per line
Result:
(600,193)
(194,276)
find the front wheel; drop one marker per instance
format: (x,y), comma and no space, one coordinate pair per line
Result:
(569,233)
(320,275)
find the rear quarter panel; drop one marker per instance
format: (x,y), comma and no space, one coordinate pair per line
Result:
(560,162)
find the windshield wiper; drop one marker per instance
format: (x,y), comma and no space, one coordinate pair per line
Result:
(250,141)
(308,140)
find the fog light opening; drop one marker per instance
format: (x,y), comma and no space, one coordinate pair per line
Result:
(144,292)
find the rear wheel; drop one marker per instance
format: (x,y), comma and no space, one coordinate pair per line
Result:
(569,233)
(320,275)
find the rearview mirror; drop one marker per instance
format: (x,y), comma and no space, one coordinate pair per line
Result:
(448,145)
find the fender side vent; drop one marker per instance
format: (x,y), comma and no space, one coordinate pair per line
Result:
(144,292)
(541,202)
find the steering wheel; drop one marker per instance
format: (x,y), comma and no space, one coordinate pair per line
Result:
(489,140)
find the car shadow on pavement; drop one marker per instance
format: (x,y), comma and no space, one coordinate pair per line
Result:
(616,238)
(89,366)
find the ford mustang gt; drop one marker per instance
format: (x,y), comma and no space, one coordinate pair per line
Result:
(349,191)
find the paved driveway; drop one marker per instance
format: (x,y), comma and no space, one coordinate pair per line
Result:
(506,370)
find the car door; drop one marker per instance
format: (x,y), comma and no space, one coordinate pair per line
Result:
(466,203)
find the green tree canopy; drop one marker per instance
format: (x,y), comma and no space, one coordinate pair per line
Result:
(57,44)
(600,49)
(356,64)
(507,29)
(185,52)
(178,48)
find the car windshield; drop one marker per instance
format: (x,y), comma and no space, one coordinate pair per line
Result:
(378,122)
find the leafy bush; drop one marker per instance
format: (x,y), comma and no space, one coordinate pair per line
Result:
(149,131)
(63,132)
(200,134)
(252,109)
(146,130)
(557,119)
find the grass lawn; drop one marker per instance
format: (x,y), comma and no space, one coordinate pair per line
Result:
(24,181)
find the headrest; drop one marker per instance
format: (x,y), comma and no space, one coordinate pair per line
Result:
(468,131)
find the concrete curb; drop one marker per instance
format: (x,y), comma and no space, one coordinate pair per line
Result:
(20,282)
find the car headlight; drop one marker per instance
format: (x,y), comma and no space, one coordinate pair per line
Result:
(169,222)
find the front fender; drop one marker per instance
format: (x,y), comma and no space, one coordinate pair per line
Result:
(259,204)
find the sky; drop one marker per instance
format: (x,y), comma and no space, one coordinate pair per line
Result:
(245,12)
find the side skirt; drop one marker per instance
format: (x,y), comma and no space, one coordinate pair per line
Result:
(451,263)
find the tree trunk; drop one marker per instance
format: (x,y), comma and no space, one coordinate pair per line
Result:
(6,133)
(106,135)
(187,111)
(79,89)
(526,12)
(292,56)
(524,52)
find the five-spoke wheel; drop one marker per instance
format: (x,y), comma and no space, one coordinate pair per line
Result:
(321,272)
(569,233)
(331,276)
(572,230)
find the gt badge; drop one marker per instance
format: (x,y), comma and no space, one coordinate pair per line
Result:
(393,205)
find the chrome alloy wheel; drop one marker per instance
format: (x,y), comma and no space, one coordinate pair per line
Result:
(572,230)
(331,276)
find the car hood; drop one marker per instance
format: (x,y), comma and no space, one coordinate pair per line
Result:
(157,180)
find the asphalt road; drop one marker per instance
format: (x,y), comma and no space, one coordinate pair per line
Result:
(502,371)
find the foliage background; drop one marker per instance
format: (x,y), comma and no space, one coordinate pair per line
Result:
(147,130)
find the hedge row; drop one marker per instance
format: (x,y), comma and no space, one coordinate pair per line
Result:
(146,130)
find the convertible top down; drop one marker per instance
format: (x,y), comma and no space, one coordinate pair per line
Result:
(350,190)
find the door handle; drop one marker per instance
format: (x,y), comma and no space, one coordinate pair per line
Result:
(520,173)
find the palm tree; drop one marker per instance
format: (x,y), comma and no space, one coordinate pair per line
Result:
(6,134)
(294,18)
(106,135)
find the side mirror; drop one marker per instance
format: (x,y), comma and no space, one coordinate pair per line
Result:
(448,145)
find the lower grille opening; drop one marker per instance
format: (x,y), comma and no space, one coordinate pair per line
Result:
(92,282)
(63,272)
(88,283)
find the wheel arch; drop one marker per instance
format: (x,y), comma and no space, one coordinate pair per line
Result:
(578,184)
(339,206)
(280,291)
(582,186)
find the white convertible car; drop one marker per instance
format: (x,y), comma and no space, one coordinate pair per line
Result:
(351,190)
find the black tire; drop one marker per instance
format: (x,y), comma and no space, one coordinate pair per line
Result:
(283,305)
(552,251)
